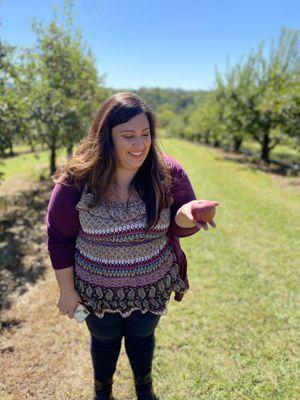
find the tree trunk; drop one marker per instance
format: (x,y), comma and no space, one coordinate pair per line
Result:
(11,149)
(206,137)
(53,155)
(32,148)
(265,149)
(237,142)
(216,143)
(69,151)
(52,160)
(31,144)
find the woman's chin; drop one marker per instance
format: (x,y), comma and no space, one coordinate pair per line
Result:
(136,162)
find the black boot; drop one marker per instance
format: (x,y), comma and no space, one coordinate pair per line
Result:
(144,387)
(103,389)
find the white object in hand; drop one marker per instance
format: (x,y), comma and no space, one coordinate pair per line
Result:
(81,313)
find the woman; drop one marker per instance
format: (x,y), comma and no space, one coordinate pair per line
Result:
(113,222)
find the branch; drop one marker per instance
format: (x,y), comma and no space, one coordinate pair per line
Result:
(256,137)
(276,142)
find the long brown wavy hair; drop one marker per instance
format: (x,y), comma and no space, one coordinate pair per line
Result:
(94,160)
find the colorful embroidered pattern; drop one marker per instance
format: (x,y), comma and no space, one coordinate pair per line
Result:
(119,267)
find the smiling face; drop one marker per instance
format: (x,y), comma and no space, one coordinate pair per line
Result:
(132,142)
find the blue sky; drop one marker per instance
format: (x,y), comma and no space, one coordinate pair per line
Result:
(161,43)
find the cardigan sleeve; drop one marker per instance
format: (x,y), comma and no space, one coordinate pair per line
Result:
(182,193)
(62,222)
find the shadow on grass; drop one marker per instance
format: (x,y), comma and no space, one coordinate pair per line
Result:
(257,165)
(23,152)
(284,168)
(22,243)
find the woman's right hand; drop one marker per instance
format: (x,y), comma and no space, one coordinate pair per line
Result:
(68,302)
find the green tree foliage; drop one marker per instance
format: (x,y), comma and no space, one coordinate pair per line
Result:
(291,118)
(206,123)
(65,86)
(172,107)
(257,97)
(11,106)
(231,95)
(176,127)
(164,116)
(277,75)
(176,99)
(287,104)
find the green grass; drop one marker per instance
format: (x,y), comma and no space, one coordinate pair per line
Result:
(28,166)
(235,335)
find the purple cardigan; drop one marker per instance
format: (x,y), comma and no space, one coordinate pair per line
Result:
(63,224)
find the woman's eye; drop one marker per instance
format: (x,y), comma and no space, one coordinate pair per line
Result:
(129,137)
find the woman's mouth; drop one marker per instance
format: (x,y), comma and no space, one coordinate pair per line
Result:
(136,154)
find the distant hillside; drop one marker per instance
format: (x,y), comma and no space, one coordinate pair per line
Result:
(176,100)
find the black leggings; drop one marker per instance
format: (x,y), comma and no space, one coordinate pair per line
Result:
(106,340)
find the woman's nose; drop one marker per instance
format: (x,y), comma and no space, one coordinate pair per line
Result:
(139,144)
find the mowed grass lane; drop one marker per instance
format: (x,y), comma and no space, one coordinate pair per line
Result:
(235,335)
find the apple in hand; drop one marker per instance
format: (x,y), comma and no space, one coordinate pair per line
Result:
(203,212)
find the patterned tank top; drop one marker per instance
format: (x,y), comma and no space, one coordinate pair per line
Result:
(121,267)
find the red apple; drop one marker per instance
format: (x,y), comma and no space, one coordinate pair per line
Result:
(203,212)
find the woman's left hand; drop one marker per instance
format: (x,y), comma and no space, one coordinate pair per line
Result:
(185,219)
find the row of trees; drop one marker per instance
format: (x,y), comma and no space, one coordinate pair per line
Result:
(48,92)
(258,98)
